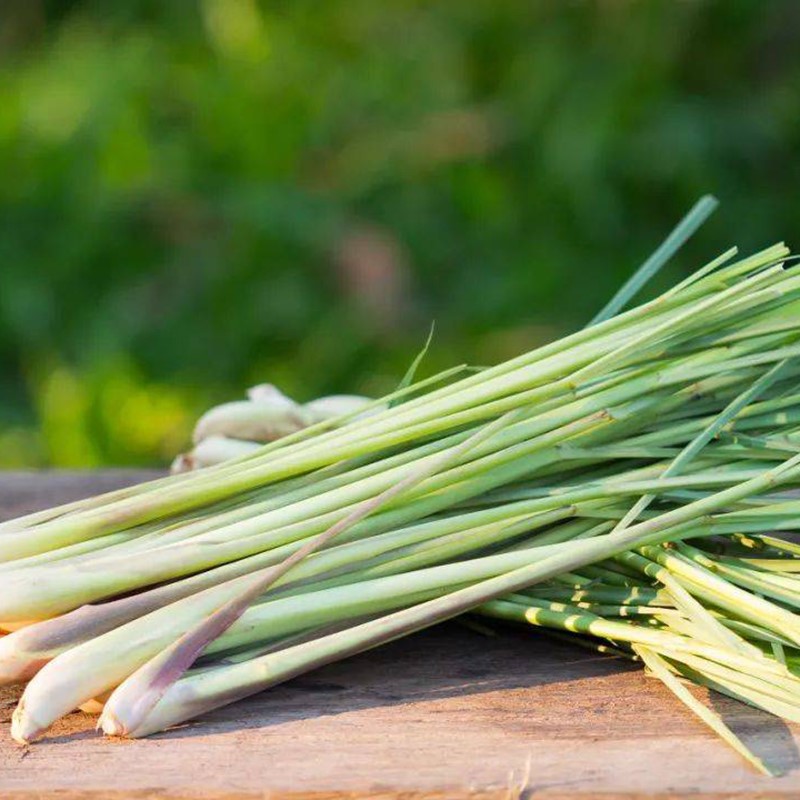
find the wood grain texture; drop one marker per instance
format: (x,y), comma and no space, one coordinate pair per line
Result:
(448,713)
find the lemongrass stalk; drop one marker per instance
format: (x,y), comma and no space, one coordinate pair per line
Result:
(660,613)
(90,547)
(755,360)
(283,616)
(681,624)
(506,456)
(536,596)
(617,356)
(688,428)
(605,594)
(27,599)
(616,571)
(775,576)
(270,617)
(177,499)
(106,576)
(550,481)
(658,486)
(469,541)
(424,614)
(414,558)
(459,545)
(765,257)
(786,583)
(148,684)
(583,527)
(379,404)
(782,444)
(306,435)
(727,332)
(704,364)
(246,588)
(643,315)
(776,513)
(99,664)
(769,585)
(305,489)
(13,545)
(713,630)
(194,695)
(664,640)
(25,652)
(686,321)
(144,537)
(571,579)
(767,323)
(708,586)
(770,564)
(614,575)
(681,431)
(656,664)
(782,545)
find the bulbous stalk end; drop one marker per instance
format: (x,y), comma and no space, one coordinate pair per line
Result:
(111,725)
(24,728)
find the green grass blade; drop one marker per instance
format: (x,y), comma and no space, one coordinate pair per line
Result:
(412,370)
(659,668)
(698,214)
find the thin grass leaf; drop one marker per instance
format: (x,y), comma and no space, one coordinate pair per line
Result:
(659,668)
(682,232)
(412,370)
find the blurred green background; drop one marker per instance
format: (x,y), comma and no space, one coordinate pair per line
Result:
(199,196)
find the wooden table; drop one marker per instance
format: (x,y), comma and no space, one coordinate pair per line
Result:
(448,713)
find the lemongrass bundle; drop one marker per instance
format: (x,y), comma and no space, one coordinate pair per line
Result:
(674,421)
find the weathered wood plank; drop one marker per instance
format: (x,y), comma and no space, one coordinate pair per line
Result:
(444,714)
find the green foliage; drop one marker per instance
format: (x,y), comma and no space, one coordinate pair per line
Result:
(198,196)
